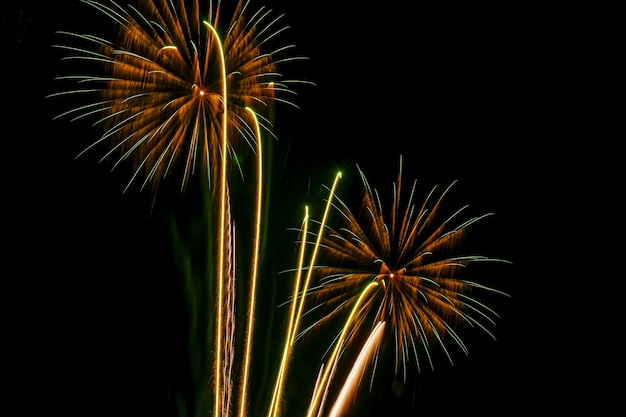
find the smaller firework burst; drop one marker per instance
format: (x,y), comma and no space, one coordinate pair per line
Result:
(401,267)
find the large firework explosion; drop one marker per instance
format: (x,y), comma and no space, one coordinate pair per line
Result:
(156,92)
(172,95)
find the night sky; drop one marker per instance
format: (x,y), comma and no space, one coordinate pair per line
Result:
(513,102)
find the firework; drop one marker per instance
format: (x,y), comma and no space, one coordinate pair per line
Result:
(172,96)
(411,253)
(157,92)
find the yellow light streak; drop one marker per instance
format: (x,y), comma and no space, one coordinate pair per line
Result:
(255,263)
(325,381)
(294,320)
(274,406)
(220,279)
(314,255)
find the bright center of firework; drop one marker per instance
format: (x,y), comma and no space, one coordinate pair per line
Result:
(195,88)
(395,274)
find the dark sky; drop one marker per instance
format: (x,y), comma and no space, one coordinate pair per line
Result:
(511,101)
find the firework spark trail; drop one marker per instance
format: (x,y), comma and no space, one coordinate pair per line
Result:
(219,393)
(316,404)
(414,260)
(288,347)
(255,264)
(229,323)
(296,312)
(348,392)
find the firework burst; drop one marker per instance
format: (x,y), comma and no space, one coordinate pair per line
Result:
(157,92)
(172,95)
(401,268)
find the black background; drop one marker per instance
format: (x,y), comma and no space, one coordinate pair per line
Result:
(519,103)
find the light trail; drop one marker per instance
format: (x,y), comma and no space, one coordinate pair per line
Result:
(294,320)
(222,214)
(278,388)
(255,265)
(348,392)
(325,381)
